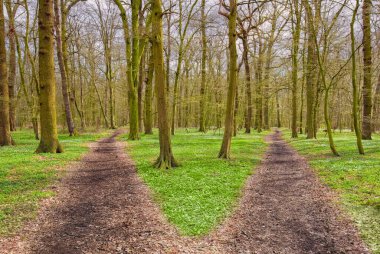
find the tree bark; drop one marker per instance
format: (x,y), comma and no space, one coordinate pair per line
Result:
(202,120)
(232,87)
(367,71)
(248,91)
(148,119)
(311,76)
(48,117)
(135,63)
(62,52)
(5,130)
(166,159)
(296,27)
(62,68)
(259,88)
(355,102)
(12,63)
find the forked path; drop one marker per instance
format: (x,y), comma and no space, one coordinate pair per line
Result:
(103,207)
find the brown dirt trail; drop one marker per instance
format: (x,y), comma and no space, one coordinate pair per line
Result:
(103,207)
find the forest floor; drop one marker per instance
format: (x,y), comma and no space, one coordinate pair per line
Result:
(102,206)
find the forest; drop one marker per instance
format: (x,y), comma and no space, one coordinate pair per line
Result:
(189,126)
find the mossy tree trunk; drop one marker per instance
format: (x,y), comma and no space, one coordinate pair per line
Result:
(259,87)
(166,159)
(248,91)
(11,10)
(202,103)
(367,71)
(5,130)
(62,68)
(225,149)
(135,67)
(148,119)
(296,32)
(355,93)
(311,74)
(62,53)
(48,116)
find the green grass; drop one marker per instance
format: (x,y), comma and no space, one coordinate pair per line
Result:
(196,196)
(356,178)
(25,176)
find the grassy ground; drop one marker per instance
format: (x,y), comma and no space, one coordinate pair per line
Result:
(198,195)
(355,177)
(24,175)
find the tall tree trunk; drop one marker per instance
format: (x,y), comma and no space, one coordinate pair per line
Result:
(236,110)
(367,71)
(311,76)
(166,159)
(355,99)
(278,111)
(232,87)
(259,88)
(202,120)
(62,68)
(63,51)
(248,91)
(296,27)
(141,71)
(5,130)
(133,88)
(12,63)
(148,119)
(168,52)
(140,93)
(48,117)
(302,90)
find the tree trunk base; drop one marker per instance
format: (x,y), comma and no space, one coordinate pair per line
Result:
(134,136)
(166,163)
(54,147)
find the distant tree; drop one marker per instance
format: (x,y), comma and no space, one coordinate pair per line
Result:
(202,110)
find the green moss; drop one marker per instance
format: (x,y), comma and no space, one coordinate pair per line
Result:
(355,177)
(196,196)
(25,175)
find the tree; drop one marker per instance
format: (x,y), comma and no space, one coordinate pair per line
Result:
(108,25)
(48,117)
(202,116)
(311,75)
(245,27)
(231,13)
(62,53)
(355,99)
(11,10)
(183,27)
(148,119)
(5,130)
(166,159)
(62,68)
(135,66)
(367,71)
(296,31)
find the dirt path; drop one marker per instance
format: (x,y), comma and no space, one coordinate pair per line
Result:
(285,209)
(103,207)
